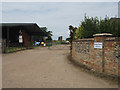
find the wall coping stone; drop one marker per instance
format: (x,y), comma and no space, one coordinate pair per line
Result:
(102,34)
(84,39)
(92,39)
(113,39)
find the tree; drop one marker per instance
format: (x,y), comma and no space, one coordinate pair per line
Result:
(90,26)
(104,25)
(72,32)
(110,26)
(115,28)
(72,35)
(68,39)
(78,33)
(49,33)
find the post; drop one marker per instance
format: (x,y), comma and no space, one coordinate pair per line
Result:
(7,37)
(0,40)
(71,34)
(103,61)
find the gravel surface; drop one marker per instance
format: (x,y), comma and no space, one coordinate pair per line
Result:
(46,68)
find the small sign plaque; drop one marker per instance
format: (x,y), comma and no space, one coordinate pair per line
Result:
(20,39)
(98,45)
(20,36)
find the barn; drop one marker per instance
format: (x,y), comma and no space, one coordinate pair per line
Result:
(20,34)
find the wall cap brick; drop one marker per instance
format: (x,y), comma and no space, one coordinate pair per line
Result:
(102,34)
(84,39)
(112,39)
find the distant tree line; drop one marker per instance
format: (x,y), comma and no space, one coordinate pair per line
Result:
(93,25)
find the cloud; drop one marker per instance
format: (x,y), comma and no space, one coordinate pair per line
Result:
(56,16)
(59,0)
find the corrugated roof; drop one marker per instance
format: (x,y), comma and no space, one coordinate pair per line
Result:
(16,24)
(32,28)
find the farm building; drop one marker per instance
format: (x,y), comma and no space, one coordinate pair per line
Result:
(20,34)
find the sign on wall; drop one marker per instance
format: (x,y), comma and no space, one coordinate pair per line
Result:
(98,45)
(20,39)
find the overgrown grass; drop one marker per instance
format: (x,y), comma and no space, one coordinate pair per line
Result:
(13,49)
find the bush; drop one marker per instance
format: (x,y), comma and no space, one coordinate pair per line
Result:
(91,26)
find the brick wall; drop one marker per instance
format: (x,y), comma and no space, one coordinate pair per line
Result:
(103,59)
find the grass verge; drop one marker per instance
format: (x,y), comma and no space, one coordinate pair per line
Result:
(15,49)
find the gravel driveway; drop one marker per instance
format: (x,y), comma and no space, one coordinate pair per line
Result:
(46,68)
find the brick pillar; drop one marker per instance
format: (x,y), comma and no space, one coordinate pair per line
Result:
(99,40)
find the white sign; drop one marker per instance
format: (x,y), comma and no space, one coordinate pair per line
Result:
(98,45)
(20,36)
(20,39)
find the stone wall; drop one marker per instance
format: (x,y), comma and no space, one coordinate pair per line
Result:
(104,60)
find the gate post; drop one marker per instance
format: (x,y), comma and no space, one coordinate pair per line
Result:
(99,40)
(3,45)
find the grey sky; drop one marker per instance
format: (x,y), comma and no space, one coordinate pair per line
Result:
(56,16)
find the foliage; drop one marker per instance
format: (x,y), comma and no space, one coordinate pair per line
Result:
(91,26)
(46,31)
(13,49)
(72,32)
(78,33)
(67,39)
(49,33)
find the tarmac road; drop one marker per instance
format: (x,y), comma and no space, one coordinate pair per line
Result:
(46,68)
